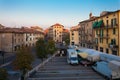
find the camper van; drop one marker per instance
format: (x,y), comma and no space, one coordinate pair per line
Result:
(72,56)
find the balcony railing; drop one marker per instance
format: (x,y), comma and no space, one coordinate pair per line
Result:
(112,26)
(113,46)
(102,36)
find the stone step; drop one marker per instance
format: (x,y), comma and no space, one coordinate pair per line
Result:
(69,78)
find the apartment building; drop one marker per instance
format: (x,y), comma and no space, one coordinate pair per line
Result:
(55,32)
(107,32)
(86,33)
(74,35)
(50,33)
(11,39)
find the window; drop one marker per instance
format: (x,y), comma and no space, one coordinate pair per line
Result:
(107,50)
(72,43)
(112,22)
(96,32)
(107,23)
(101,49)
(96,40)
(96,47)
(72,33)
(114,30)
(114,52)
(113,42)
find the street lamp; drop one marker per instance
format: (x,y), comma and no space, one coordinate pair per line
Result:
(2,47)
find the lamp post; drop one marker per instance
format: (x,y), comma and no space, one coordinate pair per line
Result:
(2,46)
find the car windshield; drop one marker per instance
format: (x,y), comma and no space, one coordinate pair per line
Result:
(74,58)
(78,51)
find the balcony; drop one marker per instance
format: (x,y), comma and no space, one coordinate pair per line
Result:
(102,36)
(112,26)
(113,46)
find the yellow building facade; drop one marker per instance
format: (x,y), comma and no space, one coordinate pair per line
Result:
(107,32)
(74,35)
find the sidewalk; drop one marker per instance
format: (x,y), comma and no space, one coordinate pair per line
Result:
(7,58)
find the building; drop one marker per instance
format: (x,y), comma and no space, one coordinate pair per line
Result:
(86,33)
(74,35)
(1,26)
(11,39)
(107,32)
(55,32)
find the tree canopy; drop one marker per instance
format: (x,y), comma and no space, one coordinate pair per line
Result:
(51,47)
(3,74)
(41,49)
(23,60)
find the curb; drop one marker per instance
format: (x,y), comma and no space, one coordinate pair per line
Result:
(5,64)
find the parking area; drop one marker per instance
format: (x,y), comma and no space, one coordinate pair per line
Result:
(59,69)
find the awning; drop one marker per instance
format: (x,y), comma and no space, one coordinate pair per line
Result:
(95,24)
(100,23)
(83,55)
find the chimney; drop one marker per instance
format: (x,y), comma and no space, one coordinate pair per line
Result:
(90,15)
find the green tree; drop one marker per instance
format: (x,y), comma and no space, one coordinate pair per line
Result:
(3,74)
(50,47)
(23,61)
(67,39)
(41,49)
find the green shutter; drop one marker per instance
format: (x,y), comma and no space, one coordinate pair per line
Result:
(100,23)
(95,24)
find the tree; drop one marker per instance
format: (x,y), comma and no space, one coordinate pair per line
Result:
(67,39)
(3,74)
(51,47)
(41,51)
(23,61)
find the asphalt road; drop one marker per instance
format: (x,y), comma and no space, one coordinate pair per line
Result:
(59,69)
(7,58)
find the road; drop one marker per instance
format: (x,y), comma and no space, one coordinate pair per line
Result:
(59,69)
(8,57)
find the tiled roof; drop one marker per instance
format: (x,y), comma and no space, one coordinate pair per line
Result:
(74,28)
(66,30)
(57,24)
(19,30)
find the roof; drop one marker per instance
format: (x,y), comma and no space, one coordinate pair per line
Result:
(74,28)
(46,31)
(66,30)
(91,19)
(57,24)
(18,30)
(104,13)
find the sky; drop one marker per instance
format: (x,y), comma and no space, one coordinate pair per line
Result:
(44,13)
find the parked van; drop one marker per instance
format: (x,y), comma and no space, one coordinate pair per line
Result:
(72,57)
